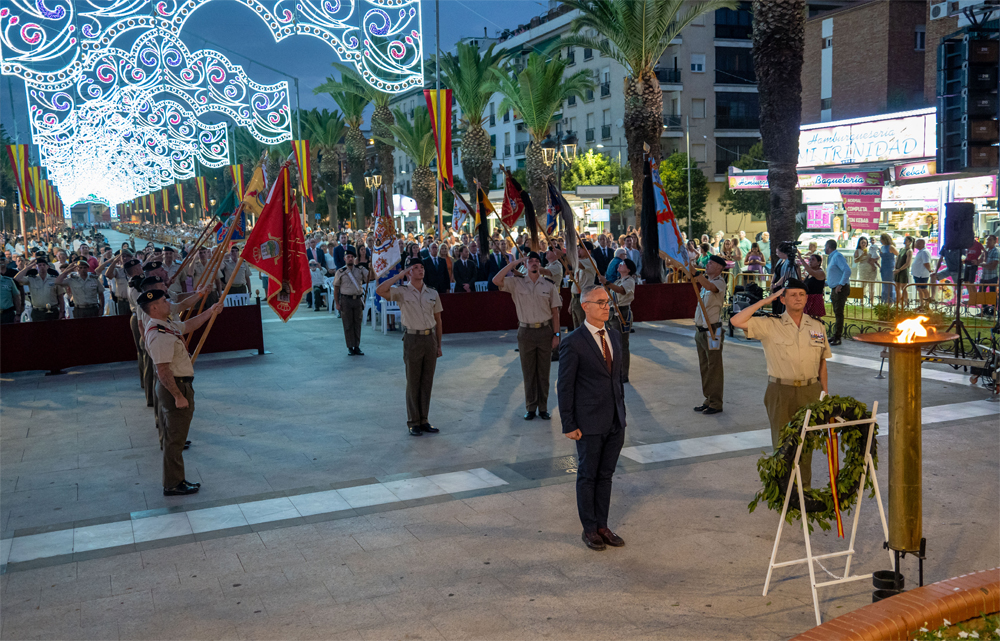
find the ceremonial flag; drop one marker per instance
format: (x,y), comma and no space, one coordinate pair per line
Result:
(256,193)
(439,104)
(513,204)
(553,209)
(225,211)
(180,194)
(46,196)
(277,247)
(239,184)
(385,256)
(18,155)
(35,174)
(166,204)
(483,210)
(666,223)
(459,213)
(151,199)
(301,148)
(202,192)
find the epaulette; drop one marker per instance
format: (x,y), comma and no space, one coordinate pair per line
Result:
(162,329)
(772,315)
(549,279)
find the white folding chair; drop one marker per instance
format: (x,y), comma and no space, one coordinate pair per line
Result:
(452,288)
(328,286)
(369,307)
(390,307)
(236,300)
(481,285)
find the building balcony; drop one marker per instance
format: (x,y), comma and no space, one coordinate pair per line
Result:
(669,76)
(672,121)
(589,135)
(506,150)
(733,31)
(747,77)
(605,132)
(605,89)
(751,123)
(520,147)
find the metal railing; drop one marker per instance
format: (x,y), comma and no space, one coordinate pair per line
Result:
(589,135)
(506,150)
(672,121)
(605,89)
(519,148)
(605,132)
(668,76)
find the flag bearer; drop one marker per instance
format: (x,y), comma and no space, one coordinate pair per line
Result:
(174,373)
(538,304)
(712,288)
(420,307)
(349,297)
(622,292)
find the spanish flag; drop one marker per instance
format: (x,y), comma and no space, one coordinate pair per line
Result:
(439,104)
(18,155)
(35,174)
(202,192)
(304,161)
(483,210)
(239,183)
(166,204)
(180,195)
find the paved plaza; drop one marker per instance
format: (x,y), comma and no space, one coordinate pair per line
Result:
(320,517)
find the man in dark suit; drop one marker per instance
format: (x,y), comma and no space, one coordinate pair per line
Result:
(592,409)
(339,251)
(466,272)
(436,270)
(603,254)
(315,253)
(496,261)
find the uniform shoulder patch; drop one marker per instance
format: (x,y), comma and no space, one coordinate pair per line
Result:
(549,279)
(162,329)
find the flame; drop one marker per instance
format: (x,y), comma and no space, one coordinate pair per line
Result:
(911,328)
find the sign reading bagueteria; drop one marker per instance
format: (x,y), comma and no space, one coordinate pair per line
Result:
(902,136)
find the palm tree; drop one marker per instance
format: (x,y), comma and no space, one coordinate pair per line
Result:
(349,94)
(635,33)
(778,45)
(468,75)
(536,94)
(325,131)
(416,140)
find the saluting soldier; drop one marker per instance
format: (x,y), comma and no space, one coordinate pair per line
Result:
(584,276)
(420,306)
(349,298)
(623,293)
(241,281)
(146,374)
(538,304)
(174,375)
(197,267)
(712,288)
(43,292)
(553,269)
(132,269)
(171,269)
(796,349)
(86,289)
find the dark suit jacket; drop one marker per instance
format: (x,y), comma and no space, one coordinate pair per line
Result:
(437,277)
(467,275)
(493,268)
(480,266)
(603,258)
(318,255)
(588,394)
(338,256)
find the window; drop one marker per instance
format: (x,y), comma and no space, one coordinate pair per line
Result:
(826,103)
(919,37)
(734,24)
(570,56)
(493,144)
(734,110)
(698,63)
(697,107)
(590,121)
(698,153)
(588,54)
(827,42)
(734,66)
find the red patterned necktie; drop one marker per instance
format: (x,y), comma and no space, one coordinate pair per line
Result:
(607,352)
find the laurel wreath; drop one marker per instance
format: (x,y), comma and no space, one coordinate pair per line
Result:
(775,469)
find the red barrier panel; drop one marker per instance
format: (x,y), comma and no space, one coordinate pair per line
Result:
(494,311)
(57,345)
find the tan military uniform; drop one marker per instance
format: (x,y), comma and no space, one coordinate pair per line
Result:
(87,295)
(44,296)
(584,276)
(165,342)
(713,377)
(172,272)
(557,271)
(420,346)
(351,282)
(241,281)
(794,354)
(196,269)
(534,302)
(147,372)
(624,302)
(119,287)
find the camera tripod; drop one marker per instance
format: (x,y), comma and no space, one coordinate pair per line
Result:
(957,326)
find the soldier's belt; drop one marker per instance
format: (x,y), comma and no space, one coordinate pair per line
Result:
(353,296)
(184,379)
(791,383)
(705,329)
(86,306)
(535,325)
(420,332)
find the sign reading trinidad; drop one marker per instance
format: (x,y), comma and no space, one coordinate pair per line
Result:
(899,136)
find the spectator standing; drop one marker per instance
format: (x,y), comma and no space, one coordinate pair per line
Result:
(838,279)
(11,306)
(784,270)
(338,251)
(972,258)
(611,273)
(991,267)
(921,271)
(765,248)
(901,274)
(867,269)
(744,243)
(496,261)
(436,270)
(815,286)
(887,259)
(317,275)
(754,260)
(603,254)
(466,272)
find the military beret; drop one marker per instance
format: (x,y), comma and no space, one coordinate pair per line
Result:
(152,295)
(131,263)
(350,250)
(82,263)
(534,255)
(149,281)
(150,266)
(168,249)
(135,281)
(718,259)
(795,283)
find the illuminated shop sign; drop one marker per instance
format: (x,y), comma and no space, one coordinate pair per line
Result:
(899,136)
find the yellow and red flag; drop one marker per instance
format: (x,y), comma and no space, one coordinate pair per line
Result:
(256,193)
(46,195)
(239,182)
(202,192)
(152,205)
(35,202)
(277,247)
(18,155)
(304,161)
(180,195)
(439,104)
(166,203)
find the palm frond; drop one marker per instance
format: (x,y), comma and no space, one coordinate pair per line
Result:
(467,73)
(415,139)
(325,129)
(348,96)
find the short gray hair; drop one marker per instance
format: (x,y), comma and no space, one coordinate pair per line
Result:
(588,293)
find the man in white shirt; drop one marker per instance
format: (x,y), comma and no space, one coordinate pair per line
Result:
(921,270)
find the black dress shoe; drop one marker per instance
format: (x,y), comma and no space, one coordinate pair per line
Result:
(430,429)
(611,538)
(835,341)
(350,352)
(358,352)
(711,410)
(182,489)
(544,415)
(187,444)
(594,541)
(701,408)
(528,416)
(189,483)
(415,431)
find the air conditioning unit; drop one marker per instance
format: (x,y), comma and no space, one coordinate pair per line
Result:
(939,10)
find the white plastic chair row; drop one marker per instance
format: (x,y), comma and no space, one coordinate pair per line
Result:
(328,286)
(481,285)
(390,307)
(236,300)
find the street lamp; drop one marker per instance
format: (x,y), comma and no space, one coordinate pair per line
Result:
(553,154)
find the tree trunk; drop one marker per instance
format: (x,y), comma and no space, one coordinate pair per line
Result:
(425,193)
(643,123)
(477,156)
(382,119)
(778,45)
(538,173)
(329,171)
(356,162)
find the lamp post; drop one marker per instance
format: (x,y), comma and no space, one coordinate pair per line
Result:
(373,180)
(559,150)
(177,212)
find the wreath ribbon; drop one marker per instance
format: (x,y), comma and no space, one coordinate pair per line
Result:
(833,463)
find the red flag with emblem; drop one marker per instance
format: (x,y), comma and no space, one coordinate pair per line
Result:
(513,204)
(277,247)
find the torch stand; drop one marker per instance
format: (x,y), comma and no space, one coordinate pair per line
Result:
(796,480)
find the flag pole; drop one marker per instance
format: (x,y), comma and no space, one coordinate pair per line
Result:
(211,321)
(440,111)
(214,262)
(579,239)
(697,294)
(197,245)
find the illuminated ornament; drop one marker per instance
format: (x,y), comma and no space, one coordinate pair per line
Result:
(53,40)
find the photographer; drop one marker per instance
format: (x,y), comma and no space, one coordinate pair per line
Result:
(796,350)
(784,270)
